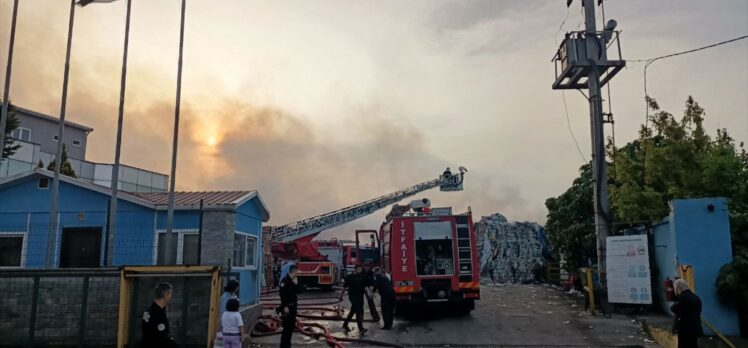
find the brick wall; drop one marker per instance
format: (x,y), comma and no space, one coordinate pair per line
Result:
(217,246)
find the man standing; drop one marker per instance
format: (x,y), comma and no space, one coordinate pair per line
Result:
(289,303)
(687,310)
(155,324)
(354,283)
(276,272)
(369,292)
(386,295)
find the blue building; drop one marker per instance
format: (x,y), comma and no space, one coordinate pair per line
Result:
(227,231)
(697,233)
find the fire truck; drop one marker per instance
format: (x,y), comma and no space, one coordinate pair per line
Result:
(431,255)
(316,267)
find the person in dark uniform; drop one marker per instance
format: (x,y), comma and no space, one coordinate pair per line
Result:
(155,323)
(386,295)
(687,310)
(369,292)
(289,301)
(355,284)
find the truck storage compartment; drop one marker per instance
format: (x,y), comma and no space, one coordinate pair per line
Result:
(434,248)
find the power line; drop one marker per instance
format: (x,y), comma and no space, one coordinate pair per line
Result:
(689,51)
(568,125)
(649,61)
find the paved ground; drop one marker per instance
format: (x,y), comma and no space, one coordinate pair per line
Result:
(511,315)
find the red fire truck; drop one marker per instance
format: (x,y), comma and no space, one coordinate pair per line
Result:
(431,255)
(317,268)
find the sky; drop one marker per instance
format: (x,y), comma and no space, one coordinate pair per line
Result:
(323,104)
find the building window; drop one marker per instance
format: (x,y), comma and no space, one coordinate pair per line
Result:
(187,245)
(11,249)
(245,251)
(76,143)
(55,137)
(43,183)
(23,134)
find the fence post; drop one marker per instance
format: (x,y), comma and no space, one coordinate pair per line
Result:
(84,309)
(34,305)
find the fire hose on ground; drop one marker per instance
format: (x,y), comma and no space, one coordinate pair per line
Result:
(270,325)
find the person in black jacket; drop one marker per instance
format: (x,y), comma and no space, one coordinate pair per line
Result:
(289,301)
(355,284)
(155,328)
(687,310)
(386,296)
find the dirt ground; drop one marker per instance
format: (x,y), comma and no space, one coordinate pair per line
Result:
(506,315)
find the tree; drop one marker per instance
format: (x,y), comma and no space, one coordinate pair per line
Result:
(66,168)
(571,222)
(10,147)
(670,159)
(677,159)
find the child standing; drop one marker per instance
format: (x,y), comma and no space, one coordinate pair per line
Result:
(233,325)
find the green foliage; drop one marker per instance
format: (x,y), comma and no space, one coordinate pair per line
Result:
(675,159)
(10,125)
(66,168)
(731,283)
(670,159)
(571,223)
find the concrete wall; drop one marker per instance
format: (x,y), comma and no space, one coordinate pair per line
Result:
(58,316)
(43,130)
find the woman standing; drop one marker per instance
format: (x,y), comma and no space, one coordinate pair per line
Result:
(687,310)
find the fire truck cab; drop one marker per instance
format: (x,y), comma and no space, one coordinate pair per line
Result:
(432,257)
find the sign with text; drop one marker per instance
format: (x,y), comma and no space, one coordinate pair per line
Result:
(627,270)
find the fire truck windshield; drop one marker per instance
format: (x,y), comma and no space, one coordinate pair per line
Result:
(434,252)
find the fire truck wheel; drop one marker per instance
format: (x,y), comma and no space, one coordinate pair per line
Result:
(463,307)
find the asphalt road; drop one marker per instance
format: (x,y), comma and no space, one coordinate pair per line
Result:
(509,315)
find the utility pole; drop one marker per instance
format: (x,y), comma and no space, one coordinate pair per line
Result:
(582,61)
(54,218)
(112,221)
(6,91)
(599,167)
(170,240)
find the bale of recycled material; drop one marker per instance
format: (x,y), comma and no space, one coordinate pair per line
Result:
(510,252)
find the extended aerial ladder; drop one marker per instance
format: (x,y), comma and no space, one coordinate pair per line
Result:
(308,228)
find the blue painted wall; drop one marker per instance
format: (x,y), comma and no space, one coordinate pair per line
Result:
(664,255)
(25,208)
(249,220)
(694,235)
(702,239)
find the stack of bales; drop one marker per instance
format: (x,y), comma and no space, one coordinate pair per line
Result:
(514,251)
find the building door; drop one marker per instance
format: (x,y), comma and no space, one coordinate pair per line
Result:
(81,247)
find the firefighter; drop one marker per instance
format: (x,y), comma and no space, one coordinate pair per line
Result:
(369,292)
(687,310)
(155,323)
(288,294)
(386,296)
(354,284)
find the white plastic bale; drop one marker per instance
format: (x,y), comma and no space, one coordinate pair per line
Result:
(512,250)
